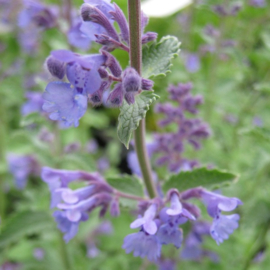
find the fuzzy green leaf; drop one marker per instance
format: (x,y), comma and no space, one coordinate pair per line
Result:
(210,179)
(156,59)
(24,223)
(127,184)
(131,115)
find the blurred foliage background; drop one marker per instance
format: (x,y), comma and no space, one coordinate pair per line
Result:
(231,70)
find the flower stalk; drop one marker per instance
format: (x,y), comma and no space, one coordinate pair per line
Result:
(135,54)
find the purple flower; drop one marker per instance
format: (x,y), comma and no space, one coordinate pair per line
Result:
(257,3)
(64,103)
(77,37)
(192,63)
(57,179)
(142,245)
(216,203)
(34,103)
(21,167)
(223,226)
(66,226)
(147,221)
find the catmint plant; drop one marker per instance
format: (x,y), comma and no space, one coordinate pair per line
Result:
(81,80)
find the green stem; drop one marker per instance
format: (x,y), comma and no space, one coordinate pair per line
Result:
(63,252)
(135,54)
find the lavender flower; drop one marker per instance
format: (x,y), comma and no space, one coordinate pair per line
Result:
(21,167)
(192,62)
(147,221)
(142,245)
(34,103)
(257,3)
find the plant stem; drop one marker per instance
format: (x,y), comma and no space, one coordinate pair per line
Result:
(135,54)
(129,196)
(63,252)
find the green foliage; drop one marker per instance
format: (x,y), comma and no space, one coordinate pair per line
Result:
(131,115)
(202,177)
(22,224)
(127,184)
(157,57)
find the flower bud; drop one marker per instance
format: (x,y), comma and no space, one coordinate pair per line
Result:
(55,67)
(96,98)
(149,36)
(112,64)
(114,209)
(115,98)
(86,12)
(131,81)
(129,97)
(147,84)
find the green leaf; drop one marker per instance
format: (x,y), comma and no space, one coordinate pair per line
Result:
(32,118)
(156,59)
(127,184)
(210,179)
(131,115)
(24,223)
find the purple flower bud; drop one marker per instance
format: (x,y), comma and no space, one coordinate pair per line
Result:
(144,21)
(142,245)
(96,98)
(72,147)
(120,18)
(93,14)
(131,80)
(115,97)
(115,209)
(112,64)
(220,10)
(130,98)
(39,253)
(147,84)
(149,36)
(176,206)
(235,9)
(55,67)
(103,73)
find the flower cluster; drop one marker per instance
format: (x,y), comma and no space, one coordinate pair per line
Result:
(75,205)
(90,76)
(160,225)
(170,146)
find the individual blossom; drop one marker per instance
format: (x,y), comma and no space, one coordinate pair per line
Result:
(33,104)
(223,225)
(67,102)
(192,62)
(21,167)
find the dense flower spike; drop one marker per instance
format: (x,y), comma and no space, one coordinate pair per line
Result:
(170,146)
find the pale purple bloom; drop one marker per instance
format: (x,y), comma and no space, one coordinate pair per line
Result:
(169,233)
(92,146)
(176,206)
(257,3)
(34,103)
(66,226)
(61,178)
(92,250)
(166,264)
(223,226)
(77,37)
(39,253)
(142,245)
(21,167)
(257,121)
(103,164)
(216,203)
(64,103)
(192,62)
(147,221)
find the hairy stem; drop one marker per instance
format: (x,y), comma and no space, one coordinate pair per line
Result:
(135,54)
(128,196)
